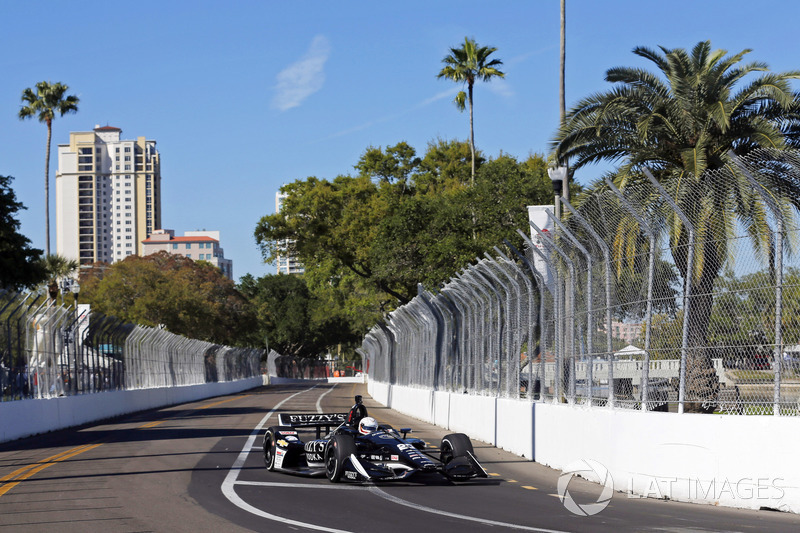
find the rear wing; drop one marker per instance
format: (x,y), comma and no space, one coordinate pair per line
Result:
(312,420)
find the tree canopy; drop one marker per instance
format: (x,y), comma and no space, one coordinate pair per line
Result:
(19,262)
(401,220)
(292,319)
(186,297)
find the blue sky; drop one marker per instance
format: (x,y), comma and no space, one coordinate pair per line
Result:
(243,96)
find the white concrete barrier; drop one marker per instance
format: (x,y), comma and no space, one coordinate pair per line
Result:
(25,418)
(737,461)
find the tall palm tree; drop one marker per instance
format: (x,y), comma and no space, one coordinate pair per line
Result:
(48,100)
(464,65)
(682,124)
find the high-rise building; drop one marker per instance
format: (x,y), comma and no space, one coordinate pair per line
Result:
(108,195)
(195,245)
(287,262)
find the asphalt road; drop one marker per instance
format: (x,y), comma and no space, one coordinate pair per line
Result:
(199,467)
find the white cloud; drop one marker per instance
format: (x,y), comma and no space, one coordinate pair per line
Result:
(500,87)
(304,77)
(449,93)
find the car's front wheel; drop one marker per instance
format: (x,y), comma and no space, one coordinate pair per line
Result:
(271,437)
(455,445)
(269,449)
(337,452)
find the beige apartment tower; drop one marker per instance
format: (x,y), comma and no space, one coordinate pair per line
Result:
(286,261)
(108,195)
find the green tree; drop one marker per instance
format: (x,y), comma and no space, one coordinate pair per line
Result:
(189,298)
(56,268)
(292,318)
(465,65)
(681,122)
(393,166)
(422,225)
(49,99)
(19,263)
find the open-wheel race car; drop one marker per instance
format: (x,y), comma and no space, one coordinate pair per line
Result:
(355,447)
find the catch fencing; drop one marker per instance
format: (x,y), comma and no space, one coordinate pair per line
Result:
(284,366)
(681,294)
(49,350)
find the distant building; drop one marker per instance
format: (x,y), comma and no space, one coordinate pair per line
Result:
(195,245)
(628,332)
(287,262)
(108,195)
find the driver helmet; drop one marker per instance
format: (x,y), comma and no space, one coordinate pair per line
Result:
(367,425)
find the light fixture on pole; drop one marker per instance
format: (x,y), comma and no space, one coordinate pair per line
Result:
(75,288)
(558,176)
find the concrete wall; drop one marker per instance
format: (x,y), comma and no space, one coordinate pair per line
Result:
(31,417)
(737,461)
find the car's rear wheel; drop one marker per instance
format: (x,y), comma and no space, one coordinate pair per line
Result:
(455,445)
(337,452)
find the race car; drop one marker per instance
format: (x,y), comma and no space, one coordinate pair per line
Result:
(357,448)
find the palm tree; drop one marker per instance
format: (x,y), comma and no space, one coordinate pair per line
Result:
(465,65)
(48,99)
(56,268)
(682,125)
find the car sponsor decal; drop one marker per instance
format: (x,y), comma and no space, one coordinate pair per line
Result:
(315,446)
(282,443)
(287,433)
(351,475)
(290,438)
(335,418)
(412,452)
(279,455)
(394,458)
(384,436)
(313,457)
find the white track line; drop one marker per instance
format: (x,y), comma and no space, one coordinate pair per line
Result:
(319,400)
(230,480)
(399,501)
(301,485)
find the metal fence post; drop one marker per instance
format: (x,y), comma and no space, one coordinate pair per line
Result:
(607,260)
(571,313)
(590,325)
(776,212)
(651,260)
(532,329)
(687,291)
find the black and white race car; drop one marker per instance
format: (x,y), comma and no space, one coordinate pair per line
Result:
(359,449)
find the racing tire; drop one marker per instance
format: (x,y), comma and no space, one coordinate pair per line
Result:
(337,452)
(455,445)
(270,445)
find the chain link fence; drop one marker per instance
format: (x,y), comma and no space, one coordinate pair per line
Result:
(284,366)
(49,350)
(680,294)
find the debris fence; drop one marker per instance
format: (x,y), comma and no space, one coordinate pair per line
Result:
(49,350)
(678,293)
